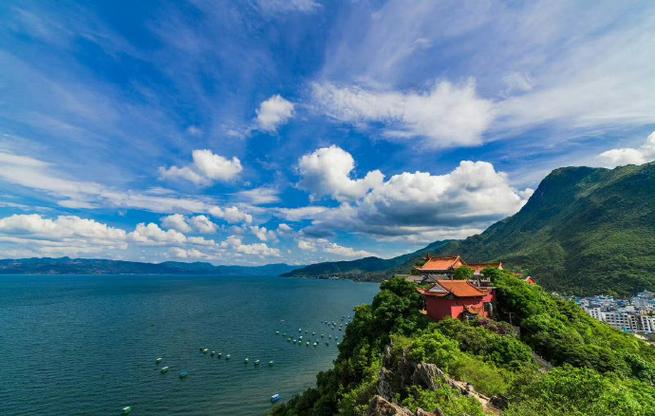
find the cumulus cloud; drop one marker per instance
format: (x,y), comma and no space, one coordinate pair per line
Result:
(206,169)
(203,225)
(263,234)
(61,228)
(426,207)
(274,112)
(446,115)
(176,222)
(300,213)
(326,172)
(326,246)
(232,214)
(151,234)
(257,249)
(629,155)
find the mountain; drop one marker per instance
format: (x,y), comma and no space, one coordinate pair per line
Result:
(66,265)
(583,231)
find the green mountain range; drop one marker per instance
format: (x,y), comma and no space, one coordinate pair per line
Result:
(583,231)
(66,265)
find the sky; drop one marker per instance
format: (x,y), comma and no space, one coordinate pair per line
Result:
(300,131)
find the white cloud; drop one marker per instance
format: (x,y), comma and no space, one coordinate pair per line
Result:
(326,246)
(231,214)
(206,169)
(263,234)
(426,207)
(63,227)
(176,222)
(38,175)
(151,234)
(446,115)
(203,225)
(257,249)
(326,172)
(629,155)
(284,229)
(189,254)
(287,6)
(274,112)
(300,213)
(259,196)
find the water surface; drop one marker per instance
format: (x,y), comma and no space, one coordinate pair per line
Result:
(86,345)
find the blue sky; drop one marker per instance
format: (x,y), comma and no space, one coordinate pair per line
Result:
(300,131)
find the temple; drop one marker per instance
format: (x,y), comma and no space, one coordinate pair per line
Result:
(457,299)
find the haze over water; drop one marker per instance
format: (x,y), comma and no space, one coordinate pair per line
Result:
(81,345)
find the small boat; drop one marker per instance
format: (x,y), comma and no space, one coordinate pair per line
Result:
(256,362)
(164,369)
(270,363)
(158,360)
(128,409)
(183,374)
(276,398)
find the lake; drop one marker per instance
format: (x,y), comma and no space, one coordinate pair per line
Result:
(86,345)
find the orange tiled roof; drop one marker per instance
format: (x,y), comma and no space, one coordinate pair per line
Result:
(441,264)
(479,267)
(458,288)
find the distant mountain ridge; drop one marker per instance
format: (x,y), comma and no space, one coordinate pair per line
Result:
(584,230)
(66,265)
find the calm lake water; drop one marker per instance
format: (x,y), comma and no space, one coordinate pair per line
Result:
(86,345)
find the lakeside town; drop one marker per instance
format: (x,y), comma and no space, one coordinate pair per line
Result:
(635,315)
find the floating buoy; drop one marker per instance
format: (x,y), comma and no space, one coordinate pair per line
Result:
(307,343)
(316,344)
(276,398)
(212,353)
(322,335)
(277,332)
(220,354)
(205,350)
(246,360)
(127,410)
(270,363)
(164,370)
(256,362)
(183,374)
(313,332)
(327,344)
(227,357)
(299,329)
(158,360)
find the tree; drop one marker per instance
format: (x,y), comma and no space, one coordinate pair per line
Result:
(463,273)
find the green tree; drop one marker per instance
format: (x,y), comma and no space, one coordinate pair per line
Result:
(463,273)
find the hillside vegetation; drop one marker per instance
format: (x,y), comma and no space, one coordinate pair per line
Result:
(583,231)
(557,362)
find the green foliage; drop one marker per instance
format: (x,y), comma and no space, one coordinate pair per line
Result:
(580,391)
(463,273)
(444,398)
(562,333)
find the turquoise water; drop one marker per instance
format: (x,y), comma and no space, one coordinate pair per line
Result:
(86,345)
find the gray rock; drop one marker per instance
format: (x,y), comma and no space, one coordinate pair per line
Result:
(382,407)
